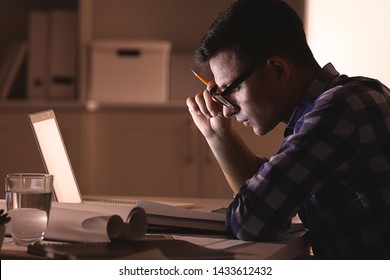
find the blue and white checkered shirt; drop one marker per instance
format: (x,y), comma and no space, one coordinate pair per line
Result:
(333,168)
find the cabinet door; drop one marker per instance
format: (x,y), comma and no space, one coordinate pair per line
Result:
(18,151)
(212,181)
(141,154)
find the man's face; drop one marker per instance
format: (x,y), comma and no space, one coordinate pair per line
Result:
(258,99)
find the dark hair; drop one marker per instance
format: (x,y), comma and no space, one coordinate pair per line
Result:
(253,29)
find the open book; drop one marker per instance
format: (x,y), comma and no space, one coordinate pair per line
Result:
(102,222)
(92,223)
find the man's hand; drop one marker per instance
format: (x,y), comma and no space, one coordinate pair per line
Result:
(207,114)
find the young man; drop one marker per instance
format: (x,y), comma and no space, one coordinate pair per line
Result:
(333,167)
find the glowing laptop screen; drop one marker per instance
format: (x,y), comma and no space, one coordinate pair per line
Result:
(54,155)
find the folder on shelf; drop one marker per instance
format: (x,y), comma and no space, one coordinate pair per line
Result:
(10,66)
(52,40)
(38,35)
(62,54)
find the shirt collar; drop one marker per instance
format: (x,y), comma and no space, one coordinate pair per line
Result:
(320,83)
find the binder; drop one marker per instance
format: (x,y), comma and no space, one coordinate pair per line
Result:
(12,64)
(38,35)
(62,54)
(6,61)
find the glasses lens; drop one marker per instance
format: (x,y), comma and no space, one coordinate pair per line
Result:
(223,100)
(220,97)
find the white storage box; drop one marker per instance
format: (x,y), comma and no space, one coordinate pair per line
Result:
(130,71)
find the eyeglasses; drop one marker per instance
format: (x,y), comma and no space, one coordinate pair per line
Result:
(221,97)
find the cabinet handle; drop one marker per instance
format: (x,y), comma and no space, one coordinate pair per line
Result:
(128,52)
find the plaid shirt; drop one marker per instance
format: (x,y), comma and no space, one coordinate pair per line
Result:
(333,169)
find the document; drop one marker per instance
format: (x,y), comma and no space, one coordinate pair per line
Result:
(172,218)
(78,222)
(68,222)
(104,222)
(160,217)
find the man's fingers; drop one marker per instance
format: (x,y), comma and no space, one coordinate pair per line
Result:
(202,105)
(192,106)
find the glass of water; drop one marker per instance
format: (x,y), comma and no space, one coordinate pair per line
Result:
(28,198)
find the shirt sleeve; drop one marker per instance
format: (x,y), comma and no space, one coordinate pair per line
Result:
(322,146)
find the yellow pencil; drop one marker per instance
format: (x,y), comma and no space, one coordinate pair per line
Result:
(200,77)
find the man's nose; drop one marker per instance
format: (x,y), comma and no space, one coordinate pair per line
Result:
(230,112)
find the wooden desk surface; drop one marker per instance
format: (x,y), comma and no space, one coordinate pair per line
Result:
(291,245)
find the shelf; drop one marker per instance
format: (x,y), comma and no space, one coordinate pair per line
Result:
(23,105)
(91,106)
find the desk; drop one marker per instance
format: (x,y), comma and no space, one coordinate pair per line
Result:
(291,245)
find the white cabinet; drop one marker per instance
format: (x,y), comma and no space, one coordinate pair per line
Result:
(141,152)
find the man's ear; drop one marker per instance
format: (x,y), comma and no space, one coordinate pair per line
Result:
(279,67)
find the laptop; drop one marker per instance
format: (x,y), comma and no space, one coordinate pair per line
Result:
(54,156)
(161,214)
(56,161)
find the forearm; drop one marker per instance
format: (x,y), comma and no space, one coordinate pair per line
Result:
(237,161)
